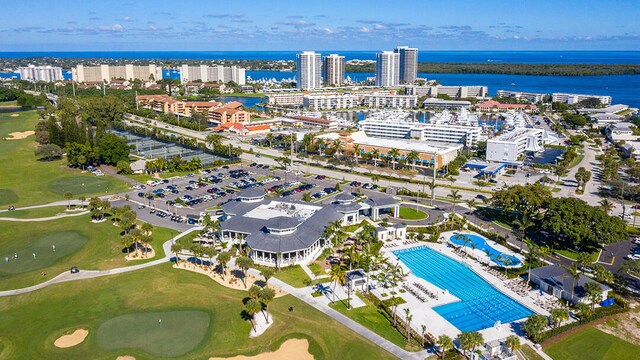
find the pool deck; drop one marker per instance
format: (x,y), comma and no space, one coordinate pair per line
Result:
(423,314)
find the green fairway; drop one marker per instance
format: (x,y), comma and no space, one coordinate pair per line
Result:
(590,343)
(37,212)
(168,333)
(39,252)
(78,242)
(114,307)
(27,181)
(412,214)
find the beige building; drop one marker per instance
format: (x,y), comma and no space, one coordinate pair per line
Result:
(106,73)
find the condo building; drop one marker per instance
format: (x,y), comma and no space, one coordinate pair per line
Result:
(333,70)
(331,101)
(216,73)
(408,64)
(377,100)
(457,92)
(285,99)
(519,95)
(511,146)
(40,73)
(387,69)
(576,98)
(106,73)
(308,70)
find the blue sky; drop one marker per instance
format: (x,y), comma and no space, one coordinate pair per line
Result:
(75,25)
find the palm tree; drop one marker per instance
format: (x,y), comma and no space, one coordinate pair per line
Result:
(82,199)
(223,258)
(445,343)
(127,240)
(214,141)
(266,296)
(413,156)
(455,197)
(432,185)
(244,263)
(210,252)
(558,316)
(523,224)
(356,152)
(252,307)
(512,343)
(267,274)
(575,275)
(606,205)
(68,196)
(593,292)
(423,334)
(337,275)
(393,154)
(176,248)
(269,137)
(375,154)
(408,317)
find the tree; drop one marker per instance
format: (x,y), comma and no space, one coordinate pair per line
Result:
(306,197)
(337,275)
(176,248)
(583,311)
(393,155)
(123,167)
(408,318)
(111,149)
(244,263)
(445,343)
(252,307)
(575,275)
(68,196)
(593,292)
(534,326)
(223,258)
(582,176)
(606,205)
(523,224)
(603,275)
(266,296)
(267,274)
(469,341)
(254,291)
(512,343)
(455,198)
(48,152)
(412,157)
(82,199)
(558,316)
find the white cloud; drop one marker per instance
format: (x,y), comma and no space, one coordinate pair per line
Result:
(364,29)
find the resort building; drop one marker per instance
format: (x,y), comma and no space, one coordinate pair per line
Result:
(284,233)
(195,86)
(457,92)
(216,73)
(316,121)
(106,73)
(441,104)
(333,70)
(387,69)
(556,281)
(449,133)
(285,99)
(444,152)
(231,112)
(408,68)
(308,70)
(40,73)
(576,98)
(331,101)
(519,95)
(493,106)
(216,112)
(511,146)
(390,100)
(622,131)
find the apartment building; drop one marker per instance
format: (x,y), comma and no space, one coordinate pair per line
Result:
(520,95)
(285,99)
(308,70)
(576,98)
(331,101)
(408,64)
(316,121)
(441,104)
(230,113)
(390,100)
(40,73)
(106,73)
(387,69)
(458,92)
(333,70)
(469,136)
(493,106)
(216,73)
(511,146)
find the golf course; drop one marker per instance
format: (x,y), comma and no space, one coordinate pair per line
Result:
(160,312)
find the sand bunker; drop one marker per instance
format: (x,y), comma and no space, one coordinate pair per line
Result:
(73,339)
(125,357)
(14,115)
(20,135)
(291,349)
(229,280)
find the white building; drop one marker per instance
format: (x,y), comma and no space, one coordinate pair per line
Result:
(576,98)
(331,101)
(387,69)
(441,104)
(622,131)
(107,73)
(408,67)
(509,147)
(217,73)
(285,99)
(308,70)
(451,91)
(532,97)
(333,70)
(467,135)
(378,101)
(40,73)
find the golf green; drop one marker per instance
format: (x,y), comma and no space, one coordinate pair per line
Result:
(66,243)
(8,197)
(167,333)
(79,185)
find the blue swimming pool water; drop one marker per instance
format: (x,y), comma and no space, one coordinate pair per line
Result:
(482,245)
(480,305)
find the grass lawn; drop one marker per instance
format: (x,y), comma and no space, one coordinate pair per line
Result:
(11,103)
(412,214)
(372,318)
(293,275)
(590,343)
(530,353)
(317,269)
(574,254)
(36,212)
(26,181)
(78,242)
(30,323)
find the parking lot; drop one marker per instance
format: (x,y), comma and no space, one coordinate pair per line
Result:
(179,202)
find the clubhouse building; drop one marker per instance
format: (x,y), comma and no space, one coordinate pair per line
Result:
(286,233)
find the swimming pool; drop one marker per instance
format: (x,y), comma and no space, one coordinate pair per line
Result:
(481,244)
(480,306)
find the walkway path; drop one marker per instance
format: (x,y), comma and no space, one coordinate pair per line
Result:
(59,216)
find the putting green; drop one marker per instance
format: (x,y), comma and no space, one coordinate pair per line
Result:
(178,332)
(66,243)
(8,197)
(78,185)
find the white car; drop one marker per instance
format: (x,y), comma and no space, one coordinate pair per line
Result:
(633,256)
(636,240)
